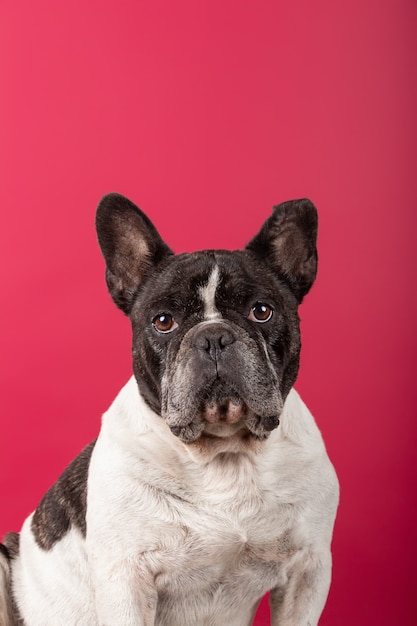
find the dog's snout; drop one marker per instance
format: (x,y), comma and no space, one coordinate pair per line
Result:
(213,339)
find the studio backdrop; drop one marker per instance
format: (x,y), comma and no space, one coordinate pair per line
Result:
(206,114)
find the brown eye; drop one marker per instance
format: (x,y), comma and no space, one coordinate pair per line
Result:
(164,323)
(261,312)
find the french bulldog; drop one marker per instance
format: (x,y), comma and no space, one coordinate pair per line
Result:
(209,484)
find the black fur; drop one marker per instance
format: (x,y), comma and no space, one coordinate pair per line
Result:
(287,243)
(5,551)
(64,505)
(131,246)
(12,544)
(245,281)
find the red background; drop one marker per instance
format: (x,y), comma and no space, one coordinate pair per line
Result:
(206,114)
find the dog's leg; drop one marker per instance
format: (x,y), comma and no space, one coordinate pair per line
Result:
(6,609)
(123,597)
(301,601)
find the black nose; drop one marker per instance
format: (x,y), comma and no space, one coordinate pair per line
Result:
(213,339)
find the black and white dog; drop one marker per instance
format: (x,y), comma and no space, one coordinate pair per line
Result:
(209,483)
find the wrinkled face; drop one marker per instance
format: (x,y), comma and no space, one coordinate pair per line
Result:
(215,344)
(215,333)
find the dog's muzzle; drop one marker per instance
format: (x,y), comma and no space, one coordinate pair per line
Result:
(221,384)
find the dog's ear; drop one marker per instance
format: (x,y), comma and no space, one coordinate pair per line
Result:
(131,247)
(287,243)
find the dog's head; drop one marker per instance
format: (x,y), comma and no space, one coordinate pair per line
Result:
(216,338)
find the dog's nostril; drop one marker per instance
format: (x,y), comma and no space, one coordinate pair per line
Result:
(202,342)
(226,339)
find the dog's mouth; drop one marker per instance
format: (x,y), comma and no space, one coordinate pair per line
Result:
(223,428)
(223,412)
(227,419)
(215,420)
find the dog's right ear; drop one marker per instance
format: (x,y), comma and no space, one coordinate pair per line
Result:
(131,247)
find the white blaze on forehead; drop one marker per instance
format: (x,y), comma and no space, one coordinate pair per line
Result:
(208,295)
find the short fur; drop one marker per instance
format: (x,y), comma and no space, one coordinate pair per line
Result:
(209,483)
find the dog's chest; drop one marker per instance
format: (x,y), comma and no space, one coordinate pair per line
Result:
(224,551)
(233,535)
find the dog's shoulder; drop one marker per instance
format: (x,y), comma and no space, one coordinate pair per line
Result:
(303,464)
(294,469)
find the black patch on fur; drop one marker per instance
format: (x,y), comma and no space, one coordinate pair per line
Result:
(10,549)
(4,551)
(11,545)
(64,505)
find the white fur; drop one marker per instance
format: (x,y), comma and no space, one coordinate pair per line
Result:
(62,574)
(208,295)
(175,539)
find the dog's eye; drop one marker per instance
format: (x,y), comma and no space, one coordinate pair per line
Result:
(164,323)
(261,312)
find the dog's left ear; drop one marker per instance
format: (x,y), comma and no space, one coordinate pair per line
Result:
(287,243)
(131,247)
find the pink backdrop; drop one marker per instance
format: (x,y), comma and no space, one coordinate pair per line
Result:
(206,114)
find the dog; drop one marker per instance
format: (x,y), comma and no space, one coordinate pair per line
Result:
(209,484)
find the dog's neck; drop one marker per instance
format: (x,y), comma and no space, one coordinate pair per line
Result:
(132,422)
